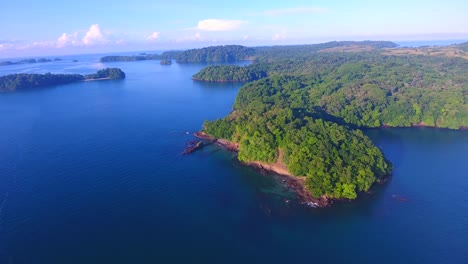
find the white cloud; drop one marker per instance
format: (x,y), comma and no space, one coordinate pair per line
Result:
(219,24)
(246,37)
(279,36)
(295,10)
(94,36)
(67,39)
(153,36)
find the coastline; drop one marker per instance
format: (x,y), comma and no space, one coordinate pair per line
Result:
(218,81)
(293,182)
(98,79)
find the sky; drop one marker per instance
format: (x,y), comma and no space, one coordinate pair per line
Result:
(50,27)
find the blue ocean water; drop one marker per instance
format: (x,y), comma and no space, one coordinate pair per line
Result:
(92,172)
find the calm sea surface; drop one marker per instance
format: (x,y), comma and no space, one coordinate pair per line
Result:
(92,172)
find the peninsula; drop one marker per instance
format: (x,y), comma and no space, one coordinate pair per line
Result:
(301,112)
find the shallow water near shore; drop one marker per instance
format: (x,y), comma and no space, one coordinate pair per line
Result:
(93,172)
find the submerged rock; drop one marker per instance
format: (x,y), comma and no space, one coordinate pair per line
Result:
(193,146)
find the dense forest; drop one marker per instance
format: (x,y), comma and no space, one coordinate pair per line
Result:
(107,73)
(20,81)
(313,101)
(229,73)
(270,115)
(217,54)
(369,89)
(235,53)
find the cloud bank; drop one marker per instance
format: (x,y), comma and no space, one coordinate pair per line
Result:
(67,40)
(153,36)
(94,36)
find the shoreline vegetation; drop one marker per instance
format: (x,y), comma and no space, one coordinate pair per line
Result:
(23,81)
(302,107)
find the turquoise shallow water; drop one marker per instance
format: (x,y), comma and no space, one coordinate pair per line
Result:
(93,173)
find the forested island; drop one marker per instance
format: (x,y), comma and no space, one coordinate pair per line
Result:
(304,106)
(165,62)
(27,61)
(21,81)
(164,56)
(216,54)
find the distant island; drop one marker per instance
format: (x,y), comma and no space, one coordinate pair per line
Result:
(216,54)
(142,56)
(27,61)
(22,81)
(165,62)
(301,112)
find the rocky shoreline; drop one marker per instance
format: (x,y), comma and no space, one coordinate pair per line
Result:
(293,182)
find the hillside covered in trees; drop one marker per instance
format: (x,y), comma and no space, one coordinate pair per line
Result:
(270,116)
(313,101)
(229,73)
(372,88)
(21,81)
(216,54)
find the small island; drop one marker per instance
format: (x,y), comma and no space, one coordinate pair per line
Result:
(22,81)
(106,74)
(165,62)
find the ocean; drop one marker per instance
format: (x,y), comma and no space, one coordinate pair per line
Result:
(93,172)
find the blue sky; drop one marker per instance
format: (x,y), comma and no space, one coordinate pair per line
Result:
(31,27)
